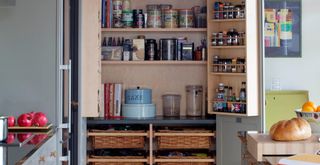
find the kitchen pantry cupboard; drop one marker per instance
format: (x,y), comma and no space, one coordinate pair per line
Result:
(233,58)
(161,76)
(169,76)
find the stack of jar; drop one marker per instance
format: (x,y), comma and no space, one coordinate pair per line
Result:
(229,11)
(234,65)
(230,38)
(226,100)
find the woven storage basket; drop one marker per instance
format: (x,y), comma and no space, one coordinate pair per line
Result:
(117,157)
(99,142)
(184,142)
(184,163)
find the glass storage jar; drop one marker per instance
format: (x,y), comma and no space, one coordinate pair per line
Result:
(194,100)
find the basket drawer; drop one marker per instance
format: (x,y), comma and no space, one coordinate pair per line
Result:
(185,160)
(186,139)
(117,139)
(117,160)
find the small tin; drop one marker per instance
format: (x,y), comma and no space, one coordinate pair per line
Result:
(186,18)
(170,18)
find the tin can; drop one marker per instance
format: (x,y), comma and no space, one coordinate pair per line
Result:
(150,49)
(126,5)
(170,18)
(186,18)
(117,14)
(168,49)
(154,18)
(164,7)
(127,18)
(138,18)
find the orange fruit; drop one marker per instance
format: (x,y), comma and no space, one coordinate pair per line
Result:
(309,107)
(318,109)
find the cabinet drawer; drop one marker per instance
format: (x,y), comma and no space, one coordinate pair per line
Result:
(117,139)
(184,139)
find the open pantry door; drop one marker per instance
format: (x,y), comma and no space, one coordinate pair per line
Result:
(90,57)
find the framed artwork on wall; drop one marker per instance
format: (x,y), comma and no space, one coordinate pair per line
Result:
(282,28)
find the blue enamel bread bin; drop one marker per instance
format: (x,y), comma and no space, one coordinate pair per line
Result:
(138,110)
(138,96)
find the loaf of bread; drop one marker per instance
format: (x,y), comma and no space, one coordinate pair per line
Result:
(289,130)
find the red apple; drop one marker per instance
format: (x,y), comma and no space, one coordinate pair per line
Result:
(39,119)
(23,136)
(10,138)
(24,120)
(11,121)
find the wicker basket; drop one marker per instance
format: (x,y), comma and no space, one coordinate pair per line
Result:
(117,157)
(184,142)
(99,142)
(184,163)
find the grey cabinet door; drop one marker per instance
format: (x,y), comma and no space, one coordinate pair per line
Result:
(45,155)
(228,143)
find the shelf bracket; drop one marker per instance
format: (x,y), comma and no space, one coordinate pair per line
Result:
(64,67)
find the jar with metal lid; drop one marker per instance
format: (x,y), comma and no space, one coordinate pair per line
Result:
(186,18)
(214,41)
(237,12)
(230,12)
(170,18)
(215,63)
(220,39)
(194,100)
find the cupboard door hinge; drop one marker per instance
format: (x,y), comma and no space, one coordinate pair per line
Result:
(64,126)
(64,67)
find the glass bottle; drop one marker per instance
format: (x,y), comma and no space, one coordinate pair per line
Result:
(242,95)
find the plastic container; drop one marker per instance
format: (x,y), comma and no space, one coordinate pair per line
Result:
(171,105)
(186,18)
(194,100)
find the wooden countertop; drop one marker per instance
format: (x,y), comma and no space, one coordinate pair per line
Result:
(261,145)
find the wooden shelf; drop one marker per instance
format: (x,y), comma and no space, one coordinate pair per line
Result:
(228,74)
(153,62)
(153,29)
(228,20)
(228,47)
(227,113)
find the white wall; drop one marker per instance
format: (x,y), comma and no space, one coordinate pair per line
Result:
(301,73)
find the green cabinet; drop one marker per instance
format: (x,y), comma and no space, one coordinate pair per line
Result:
(280,105)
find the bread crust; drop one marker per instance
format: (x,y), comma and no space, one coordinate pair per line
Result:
(290,130)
